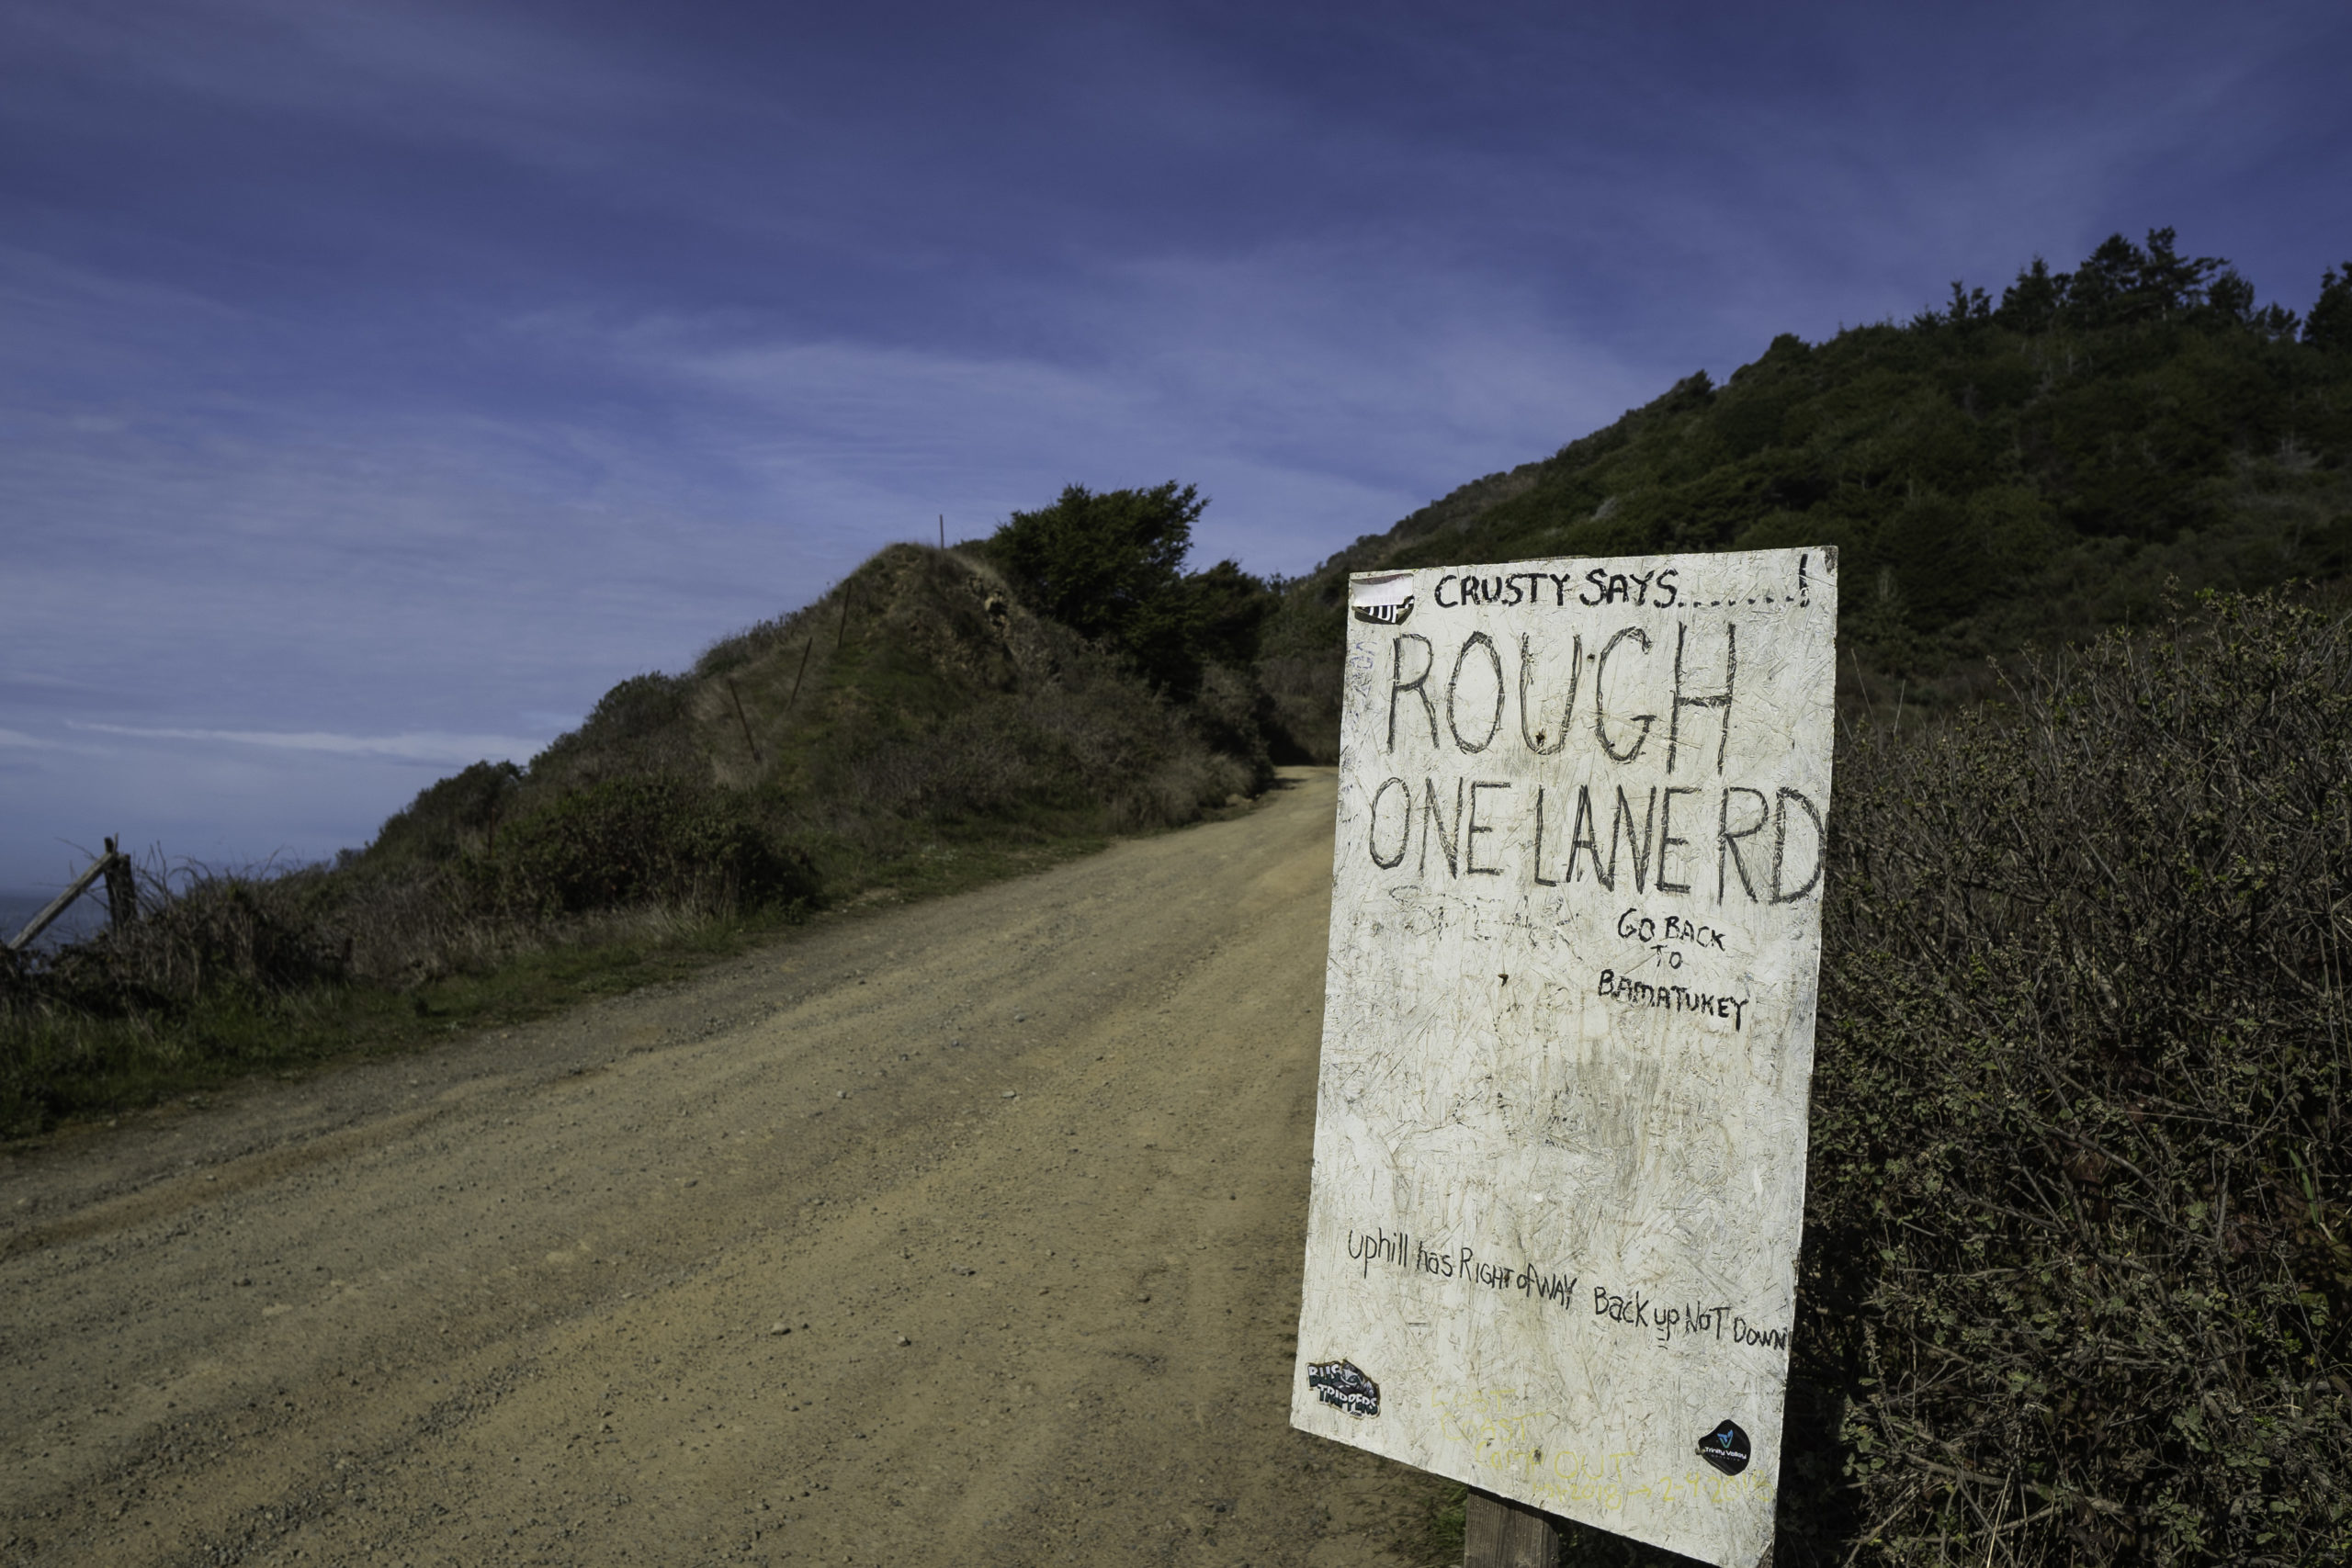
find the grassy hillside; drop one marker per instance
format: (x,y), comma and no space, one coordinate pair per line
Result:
(919,703)
(915,730)
(1992,475)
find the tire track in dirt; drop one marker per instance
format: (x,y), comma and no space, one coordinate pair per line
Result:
(966,1232)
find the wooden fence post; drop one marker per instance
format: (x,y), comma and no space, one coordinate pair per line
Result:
(1499,1533)
(757,759)
(58,905)
(122,890)
(807,648)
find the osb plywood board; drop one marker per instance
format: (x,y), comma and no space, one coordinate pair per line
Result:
(1560,1127)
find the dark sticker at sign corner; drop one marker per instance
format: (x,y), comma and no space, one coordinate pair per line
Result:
(1392,615)
(1725,1448)
(1344,1386)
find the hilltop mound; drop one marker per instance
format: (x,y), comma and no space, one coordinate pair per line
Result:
(920,728)
(918,700)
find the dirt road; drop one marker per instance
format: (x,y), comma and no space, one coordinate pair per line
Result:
(967,1233)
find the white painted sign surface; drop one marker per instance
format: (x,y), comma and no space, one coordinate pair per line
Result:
(1567,1042)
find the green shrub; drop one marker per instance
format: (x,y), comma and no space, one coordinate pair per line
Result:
(1109,566)
(639,728)
(634,840)
(448,817)
(2076,1263)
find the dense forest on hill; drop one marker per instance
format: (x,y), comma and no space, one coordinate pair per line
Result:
(1992,475)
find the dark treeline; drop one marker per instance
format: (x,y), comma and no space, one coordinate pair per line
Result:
(1994,473)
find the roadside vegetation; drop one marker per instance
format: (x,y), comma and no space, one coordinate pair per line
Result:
(2079,1247)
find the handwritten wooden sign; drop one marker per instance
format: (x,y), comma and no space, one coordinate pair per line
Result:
(1560,1126)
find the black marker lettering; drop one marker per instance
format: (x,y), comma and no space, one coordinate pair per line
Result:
(1719,700)
(1667,840)
(1781,848)
(1398,685)
(1452,688)
(1624,820)
(1727,841)
(1371,833)
(1600,700)
(1567,706)
(1447,837)
(1540,880)
(1470,835)
(1584,835)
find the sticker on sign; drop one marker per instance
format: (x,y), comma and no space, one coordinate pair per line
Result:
(1567,1041)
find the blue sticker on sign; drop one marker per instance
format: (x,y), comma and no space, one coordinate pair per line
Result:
(1725,1448)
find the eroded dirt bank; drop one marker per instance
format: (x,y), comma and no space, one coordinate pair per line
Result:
(967,1233)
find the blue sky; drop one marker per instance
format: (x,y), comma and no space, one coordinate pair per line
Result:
(381,382)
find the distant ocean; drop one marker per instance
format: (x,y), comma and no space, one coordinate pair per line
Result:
(19,905)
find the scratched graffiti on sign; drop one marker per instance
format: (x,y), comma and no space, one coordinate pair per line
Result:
(1560,1127)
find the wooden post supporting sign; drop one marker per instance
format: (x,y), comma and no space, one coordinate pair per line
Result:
(1499,1533)
(1568,1045)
